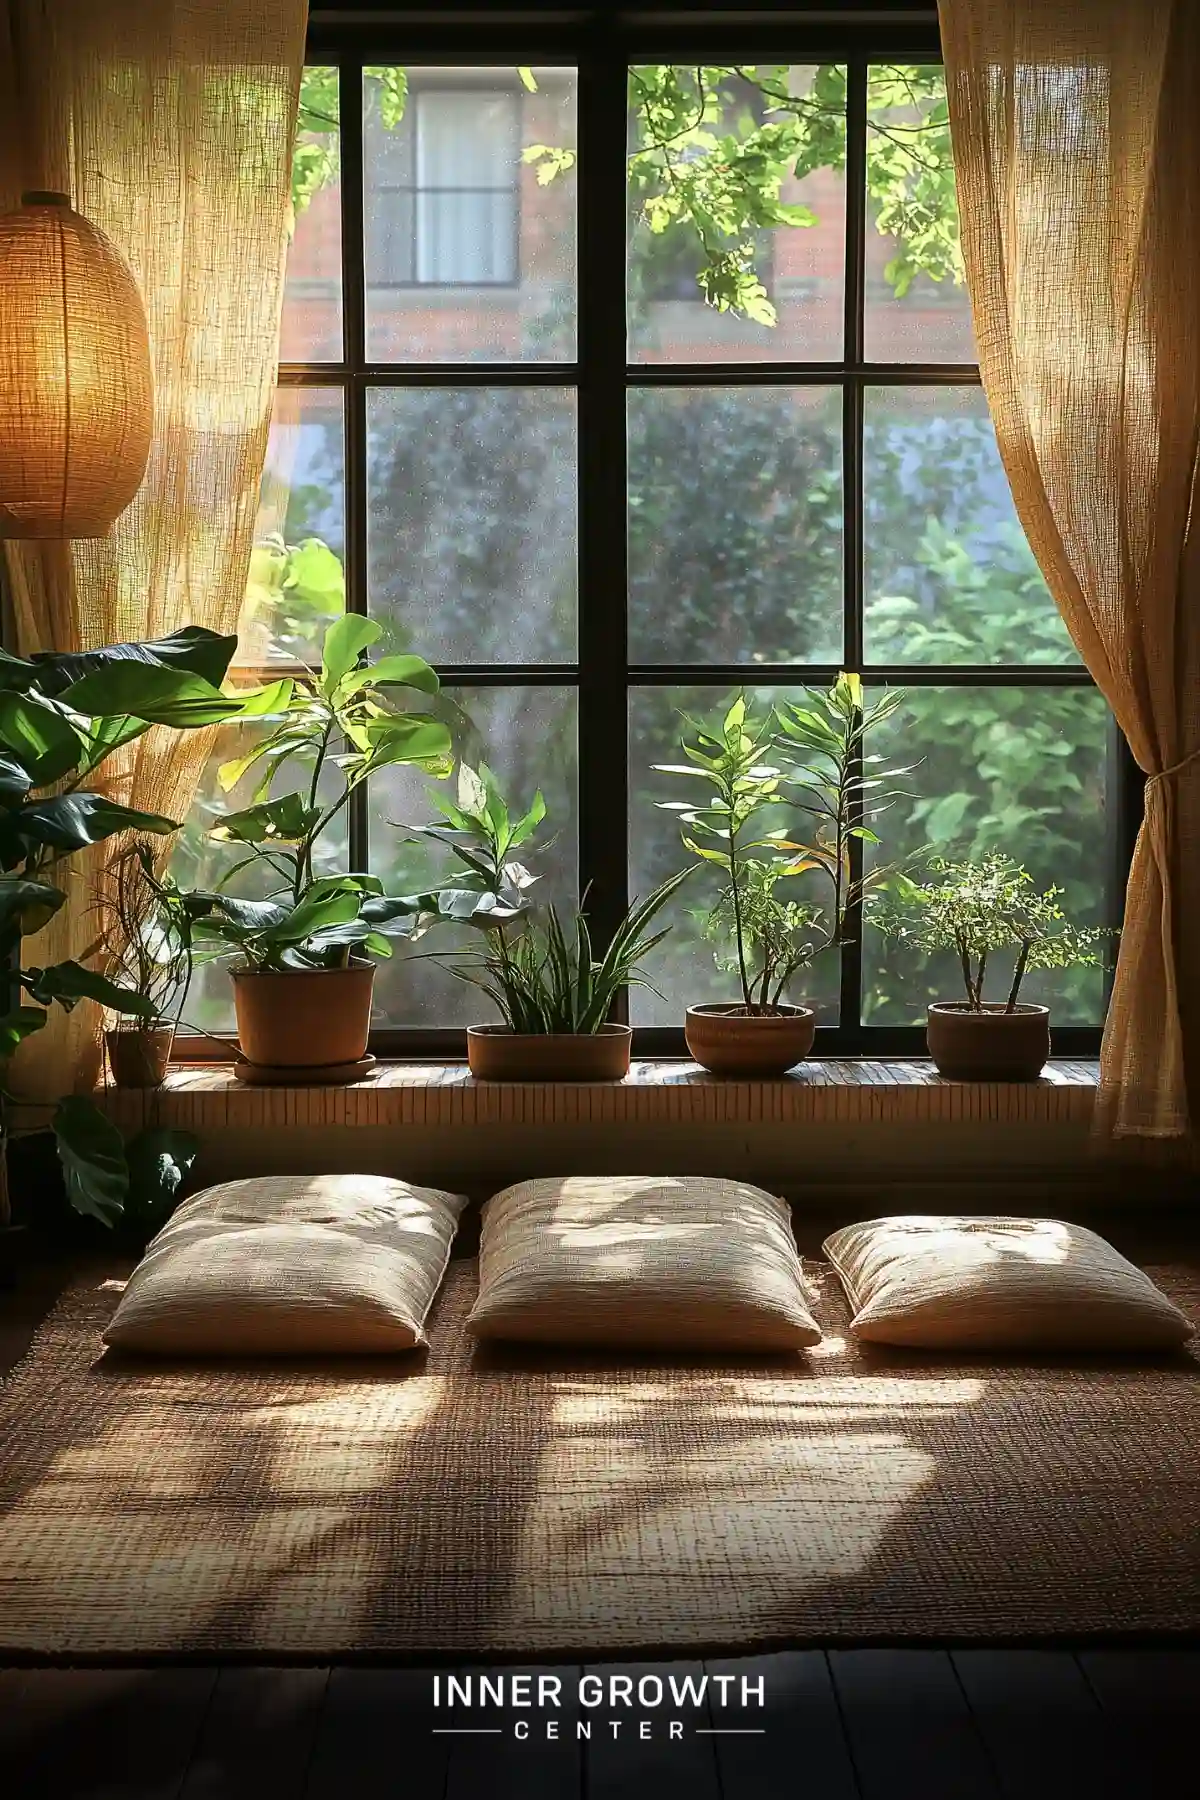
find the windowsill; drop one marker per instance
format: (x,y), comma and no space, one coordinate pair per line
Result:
(830,1091)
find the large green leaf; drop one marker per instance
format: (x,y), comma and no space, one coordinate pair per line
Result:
(161,696)
(69,822)
(282,821)
(92,1154)
(315,912)
(39,737)
(69,982)
(407,738)
(345,641)
(194,648)
(159,1160)
(30,903)
(15,780)
(248,915)
(391,671)
(17,1025)
(15,673)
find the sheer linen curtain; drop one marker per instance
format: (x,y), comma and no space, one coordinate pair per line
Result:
(1076,130)
(170,126)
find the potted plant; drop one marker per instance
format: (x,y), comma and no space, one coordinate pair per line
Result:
(303,974)
(61,717)
(146,942)
(809,759)
(554,995)
(974,909)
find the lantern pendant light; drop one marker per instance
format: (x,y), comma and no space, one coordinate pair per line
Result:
(76,396)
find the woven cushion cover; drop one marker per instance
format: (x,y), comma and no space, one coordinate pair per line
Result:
(687,1262)
(993,1283)
(291,1264)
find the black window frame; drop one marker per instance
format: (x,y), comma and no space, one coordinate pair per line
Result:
(601,46)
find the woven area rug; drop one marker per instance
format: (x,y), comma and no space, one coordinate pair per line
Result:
(455,1505)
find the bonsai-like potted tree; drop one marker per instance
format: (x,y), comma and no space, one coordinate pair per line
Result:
(809,759)
(61,718)
(147,945)
(554,995)
(304,968)
(976,910)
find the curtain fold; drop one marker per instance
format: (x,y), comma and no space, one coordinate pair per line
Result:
(1076,131)
(170,126)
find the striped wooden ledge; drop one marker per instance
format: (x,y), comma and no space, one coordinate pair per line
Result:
(829,1092)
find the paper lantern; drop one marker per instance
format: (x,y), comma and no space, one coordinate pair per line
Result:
(76,398)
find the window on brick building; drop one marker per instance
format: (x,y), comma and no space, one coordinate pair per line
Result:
(594,508)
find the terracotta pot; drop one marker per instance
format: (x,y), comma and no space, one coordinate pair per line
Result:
(304,1018)
(494,1053)
(138,1055)
(727,1040)
(992,1045)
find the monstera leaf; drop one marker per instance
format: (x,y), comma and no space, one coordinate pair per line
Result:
(69,822)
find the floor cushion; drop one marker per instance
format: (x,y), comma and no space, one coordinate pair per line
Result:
(992,1283)
(293,1264)
(688,1262)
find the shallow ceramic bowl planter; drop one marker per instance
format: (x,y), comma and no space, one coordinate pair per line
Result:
(494,1053)
(988,1045)
(139,1055)
(728,1040)
(309,1019)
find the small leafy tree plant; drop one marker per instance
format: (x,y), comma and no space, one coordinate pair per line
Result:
(809,759)
(977,910)
(339,721)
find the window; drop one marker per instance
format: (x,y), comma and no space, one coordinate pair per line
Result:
(444,196)
(594,503)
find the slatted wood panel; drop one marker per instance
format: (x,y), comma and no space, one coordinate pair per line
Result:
(833,1092)
(858,1724)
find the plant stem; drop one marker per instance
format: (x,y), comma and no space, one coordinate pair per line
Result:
(983,955)
(965,965)
(1018,976)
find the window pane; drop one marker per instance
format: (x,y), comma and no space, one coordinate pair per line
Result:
(296,586)
(917,308)
(949,575)
(471,541)
(684,967)
(527,736)
(198,863)
(311,326)
(469,214)
(728,145)
(1018,769)
(735,524)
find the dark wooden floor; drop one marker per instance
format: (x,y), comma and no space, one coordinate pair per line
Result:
(850,1725)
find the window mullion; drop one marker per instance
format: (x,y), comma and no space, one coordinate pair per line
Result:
(603,704)
(850,996)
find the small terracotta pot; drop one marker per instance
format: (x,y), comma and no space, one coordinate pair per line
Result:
(494,1053)
(727,1040)
(992,1045)
(138,1055)
(304,1018)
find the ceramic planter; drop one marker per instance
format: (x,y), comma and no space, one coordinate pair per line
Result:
(727,1040)
(992,1045)
(138,1055)
(494,1053)
(304,1018)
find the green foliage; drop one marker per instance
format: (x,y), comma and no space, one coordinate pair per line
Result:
(976,908)
(819,769)
(713,147)
(61,717)
(493,889)
(542,983)
(159,1161)
(306,920)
